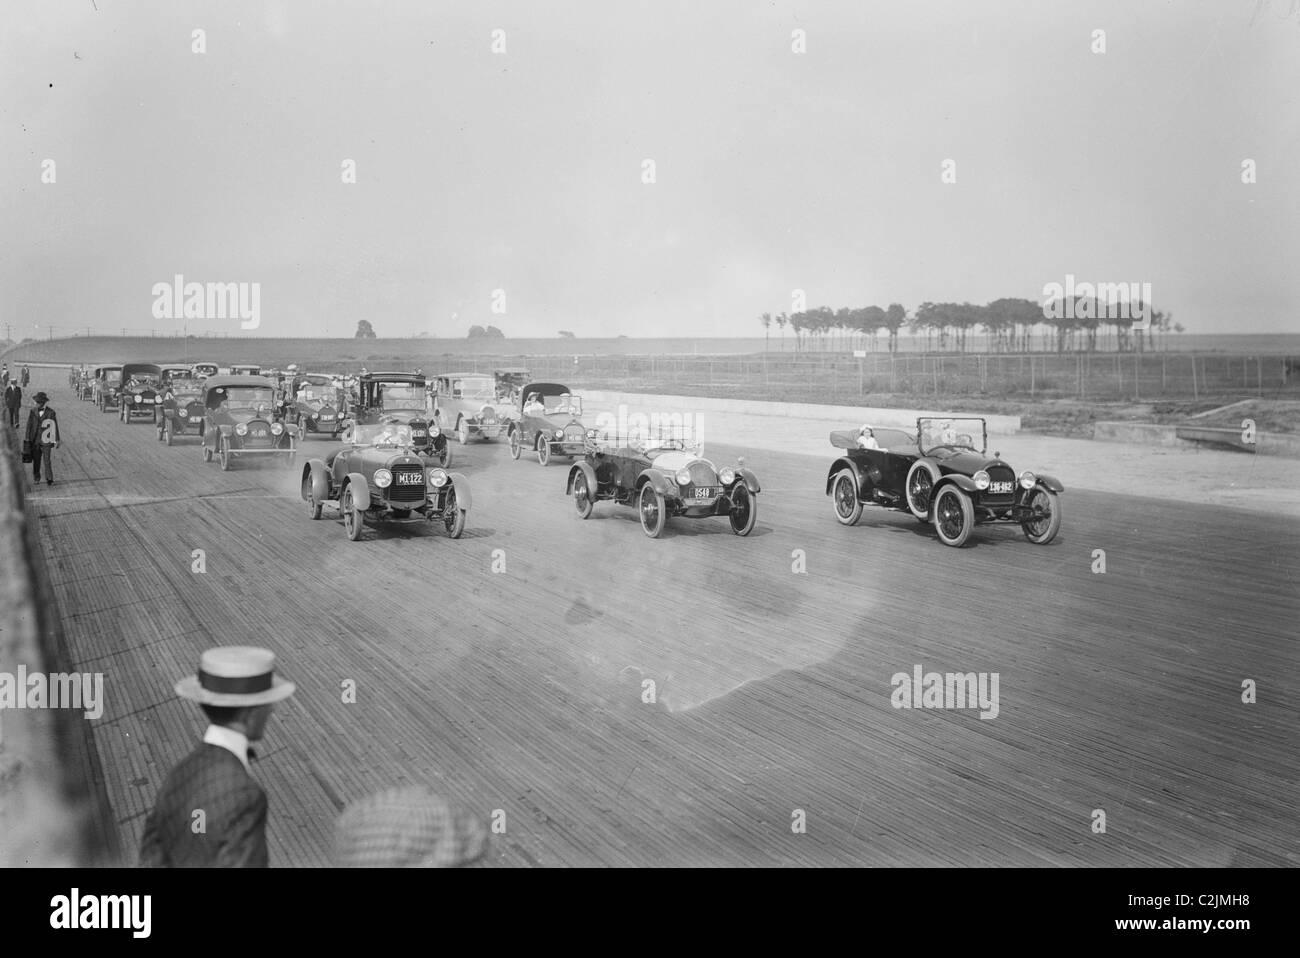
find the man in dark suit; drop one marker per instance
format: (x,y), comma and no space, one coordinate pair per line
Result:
(42,436)
(210,812)
(13,402)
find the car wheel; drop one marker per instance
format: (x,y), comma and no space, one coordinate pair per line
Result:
(844,496)
(462,434)
(352,519)
(314,508)
(543,450)
(582,496)
(225,456)
(653,510)
(954,516)
(514,444)
(453,516)
(444,456)
(1046,506)
(920,491)
(744,509)
(207,452)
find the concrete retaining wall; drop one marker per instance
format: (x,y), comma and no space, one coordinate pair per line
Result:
(842,416)
(1153,434)
(54,810)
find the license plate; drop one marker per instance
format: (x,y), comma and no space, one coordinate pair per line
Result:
(410,478)
(1000,487)
(418,434)
(705,493)
(327,417)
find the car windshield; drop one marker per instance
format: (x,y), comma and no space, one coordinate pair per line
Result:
(565,405)
(400,395)
(472,389)
(316,394)
(113,376)
(955,434)
(236,398)
(382,434)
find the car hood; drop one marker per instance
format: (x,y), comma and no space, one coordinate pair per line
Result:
(969,463)
(673,460)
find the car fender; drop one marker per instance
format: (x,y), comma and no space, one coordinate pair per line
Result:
(661,482)
(751,480)
(361,492)
(965,483)
(315,480)
(838,466)
(584,468)
(464,500)
(1051,482)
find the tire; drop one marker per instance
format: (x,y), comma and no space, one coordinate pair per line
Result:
(954,516)
(582,496)
(744,509)
(462,434)
(167,434)
(314,508)
(353,523)
(543,450)
(207,452)
(919,491)
(453,516)
(844,498)
(1044,530)
(515,448)
(225,456)
(444,457)
(653,511)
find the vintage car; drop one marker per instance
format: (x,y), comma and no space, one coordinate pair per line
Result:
(182,405)
(107,387)
(316,403)
(548,422)
(401,396)
(141,392)
(941,475)
(241,418)
(661,478)
(85,383)
(381,476)
(245,369)
(509,380)
(204,370)
(466,404)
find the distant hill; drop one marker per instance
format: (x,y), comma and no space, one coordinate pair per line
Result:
(426,354)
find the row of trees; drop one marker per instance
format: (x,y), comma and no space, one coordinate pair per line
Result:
(1011,325)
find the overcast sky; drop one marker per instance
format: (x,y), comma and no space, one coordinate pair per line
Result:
(523,170)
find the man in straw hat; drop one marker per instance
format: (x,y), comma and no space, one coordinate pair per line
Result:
(210,812)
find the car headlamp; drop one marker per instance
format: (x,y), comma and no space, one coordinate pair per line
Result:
(183,413)
(157,400)
(434,431)
(981,480)
(559,434)
(383,478)
(241,429)
(276,428)
(437,478)
(1027,480)
(683,477)
(727,475)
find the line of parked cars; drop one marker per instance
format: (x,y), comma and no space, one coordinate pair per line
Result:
(396,426)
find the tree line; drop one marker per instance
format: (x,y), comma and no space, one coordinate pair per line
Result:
(1011,325)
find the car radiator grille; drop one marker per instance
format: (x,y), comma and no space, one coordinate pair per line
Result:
(702,474)
(406,494)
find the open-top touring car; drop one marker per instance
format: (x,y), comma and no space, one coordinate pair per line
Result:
(401,397)
(315,401)
(381,476)
(941,475)
(241,419)
(509,381)
(466,405)
(182,404)
(662,478)
(140,394)
(548,423)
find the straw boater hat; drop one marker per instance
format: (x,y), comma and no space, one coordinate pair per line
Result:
(234,676)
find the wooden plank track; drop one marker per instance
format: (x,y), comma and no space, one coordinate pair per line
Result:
(521,690)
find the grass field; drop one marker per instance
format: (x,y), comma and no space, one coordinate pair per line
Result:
(1060,394)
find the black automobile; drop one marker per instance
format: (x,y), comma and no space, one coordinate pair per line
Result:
(182,406)
(401,398)
(241,420)
(941,475)
(660,479)
(547,421)
(140,395)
